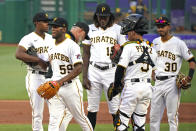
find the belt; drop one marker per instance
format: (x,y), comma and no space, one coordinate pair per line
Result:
(64,83)
(102,67)
(162,78)
(38,72)
(141,80)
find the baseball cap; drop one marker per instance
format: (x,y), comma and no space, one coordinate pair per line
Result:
(162,21)
(59,21)
(41,16)
(83,26)
(103,10)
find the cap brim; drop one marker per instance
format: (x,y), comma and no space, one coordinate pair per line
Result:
(98,14)
(87,37)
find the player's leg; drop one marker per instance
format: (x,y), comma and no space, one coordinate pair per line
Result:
(72,96)
(157,106)
(114,103)
(33,81)
(172,104)
(139,115)
(127,106)
(94,95)
(59,115)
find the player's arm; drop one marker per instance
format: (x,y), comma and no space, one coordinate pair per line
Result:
(23,56)
(192,64)
(119,74)
(75,72)
(86,57)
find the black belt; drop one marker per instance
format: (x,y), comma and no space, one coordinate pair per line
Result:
(141,80)
(101,67)
(162,78)
(38,72)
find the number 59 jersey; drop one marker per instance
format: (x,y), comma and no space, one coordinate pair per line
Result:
(131,52)
(63,57)
(170,55)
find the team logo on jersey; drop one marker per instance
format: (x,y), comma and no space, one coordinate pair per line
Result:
(103,9)
(78,56)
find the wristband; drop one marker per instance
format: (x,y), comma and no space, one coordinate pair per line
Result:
(191,73)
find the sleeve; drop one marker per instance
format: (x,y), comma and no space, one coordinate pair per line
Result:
(185,52)
(76,56)
(25,42)
(125,57)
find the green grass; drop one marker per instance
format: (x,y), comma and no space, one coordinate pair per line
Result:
(99,127)
(12,74)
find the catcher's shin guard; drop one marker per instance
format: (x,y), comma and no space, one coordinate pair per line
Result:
(118,125)
(134,125)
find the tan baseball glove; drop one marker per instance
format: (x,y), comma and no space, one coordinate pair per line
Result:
(48,89)
(183,81)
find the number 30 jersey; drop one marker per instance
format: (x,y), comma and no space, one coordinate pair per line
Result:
(131,52)
(170,55)
(101,42)
(63,57)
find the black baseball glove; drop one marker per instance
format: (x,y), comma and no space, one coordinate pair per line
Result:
(182,81)
(32,51)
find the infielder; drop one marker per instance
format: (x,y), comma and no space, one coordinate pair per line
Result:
(66,63)
(98,70)
(135,66)
(171,50)
(35,75)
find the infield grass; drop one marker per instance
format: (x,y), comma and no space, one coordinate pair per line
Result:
(99,127)
(12,78)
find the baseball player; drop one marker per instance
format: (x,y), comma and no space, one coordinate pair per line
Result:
(35,75)
(137,62)
(171,50)
(66,63)
(98,70)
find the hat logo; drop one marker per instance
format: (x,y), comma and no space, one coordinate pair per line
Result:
(102,9)
(54,19)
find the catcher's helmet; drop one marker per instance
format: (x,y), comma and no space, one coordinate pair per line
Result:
(135,22)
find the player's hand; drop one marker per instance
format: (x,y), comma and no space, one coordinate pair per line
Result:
(86,83)
(42,64)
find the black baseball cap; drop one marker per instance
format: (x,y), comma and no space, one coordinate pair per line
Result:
(163,21)
(59,21)
(41,16)
(103,10)
(83,26)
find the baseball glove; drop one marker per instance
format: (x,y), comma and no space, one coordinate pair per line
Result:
(48,89)
(116,53)
(182,81)
(112,92)
(32,51)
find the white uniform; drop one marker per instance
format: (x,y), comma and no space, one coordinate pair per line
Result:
(34,78)
(165,93)
(137,91)
(101,71)
(63,57)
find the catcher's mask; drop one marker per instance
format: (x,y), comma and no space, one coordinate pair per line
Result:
(135,22)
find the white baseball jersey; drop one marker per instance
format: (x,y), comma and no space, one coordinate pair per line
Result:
(170,55)
(131,52)
(41,45)
(101,42)
(63,57)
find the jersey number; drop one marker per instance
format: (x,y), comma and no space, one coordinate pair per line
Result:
(65,69)
(171,67)
(109,51)
(145,67)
